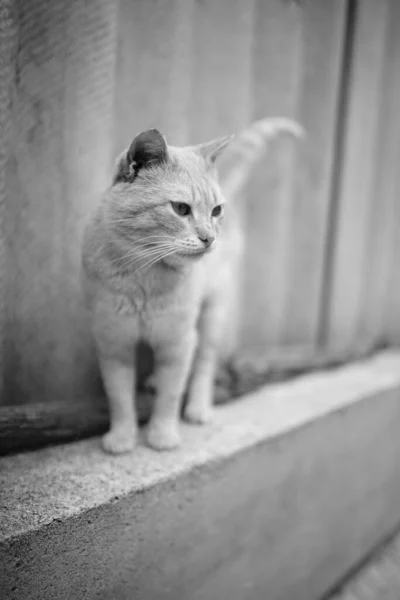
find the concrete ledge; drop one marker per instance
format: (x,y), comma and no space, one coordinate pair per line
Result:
(278,499)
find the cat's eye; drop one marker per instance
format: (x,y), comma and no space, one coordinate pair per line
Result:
(181,208)
(217,210)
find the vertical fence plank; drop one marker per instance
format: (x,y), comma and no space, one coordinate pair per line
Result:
(275,84)
(221,90)
(8,42)
(322,46)
(221,95)
(380,307)
(357,201)
(390,322)
(36,204)
(297,60)
(61,106)
(181,66)
(153,69)
(197,70)
(88,126)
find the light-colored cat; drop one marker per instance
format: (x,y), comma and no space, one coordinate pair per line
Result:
(160,261)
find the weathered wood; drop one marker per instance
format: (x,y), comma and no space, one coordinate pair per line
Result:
(277,32)
(383,292)
(88,160)
(34,425)
(364,210)
(36,208)
(391,306)
(379,311)
(221,94)
(322,46)
(8,45)
(30,426)
(297,60)
(90,75)
(185,68)
(154,71)
(61,161)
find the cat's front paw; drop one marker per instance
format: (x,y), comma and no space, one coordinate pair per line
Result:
(119,441)
(198,414)
(163,436)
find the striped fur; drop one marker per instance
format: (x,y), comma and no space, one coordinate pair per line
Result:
(149,277)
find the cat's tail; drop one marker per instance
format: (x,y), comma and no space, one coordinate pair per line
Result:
(247,149)
(246,371)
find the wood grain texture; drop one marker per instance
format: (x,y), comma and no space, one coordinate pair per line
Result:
(221,97)
(381,308)
(389,310)
(153,69)
(34,425)
(367,199)
(61,160)
(221,100)
(8,48)
(88,76)
(322,46)
(36,209)
(275,85)
(297,60)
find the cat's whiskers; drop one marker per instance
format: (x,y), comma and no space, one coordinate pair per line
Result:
(152,240)
(162,296)
(149,252)
(136,251)
(153,254)
(146,237)
(155,259)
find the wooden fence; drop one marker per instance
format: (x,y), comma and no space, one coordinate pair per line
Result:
(79,79)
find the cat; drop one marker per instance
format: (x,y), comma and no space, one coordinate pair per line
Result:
(160,260)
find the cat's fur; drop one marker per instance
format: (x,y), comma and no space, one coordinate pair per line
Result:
(168,279)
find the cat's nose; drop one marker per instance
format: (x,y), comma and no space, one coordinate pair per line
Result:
(207,239)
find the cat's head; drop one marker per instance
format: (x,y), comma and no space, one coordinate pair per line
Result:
(166,200)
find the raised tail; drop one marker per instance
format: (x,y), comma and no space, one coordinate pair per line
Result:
(247,149)
(245,371)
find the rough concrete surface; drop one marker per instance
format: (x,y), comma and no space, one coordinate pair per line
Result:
(377,579)
(285,492)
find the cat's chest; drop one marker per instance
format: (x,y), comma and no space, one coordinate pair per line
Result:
(153,306)
(173,303)
(167,318)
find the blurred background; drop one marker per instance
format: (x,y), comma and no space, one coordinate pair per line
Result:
(80,78)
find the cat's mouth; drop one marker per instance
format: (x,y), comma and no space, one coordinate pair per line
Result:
(198,252)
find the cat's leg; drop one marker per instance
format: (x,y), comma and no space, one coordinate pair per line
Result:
(172,363)
(115,334)
(198,408)
(119,381)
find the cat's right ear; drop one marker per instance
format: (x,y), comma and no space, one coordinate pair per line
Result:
(148,148)
(211,150)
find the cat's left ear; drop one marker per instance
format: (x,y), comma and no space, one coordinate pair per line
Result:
(148,148)
(211,150)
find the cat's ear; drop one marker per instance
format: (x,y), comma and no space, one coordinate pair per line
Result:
(147,149)
(211,150)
